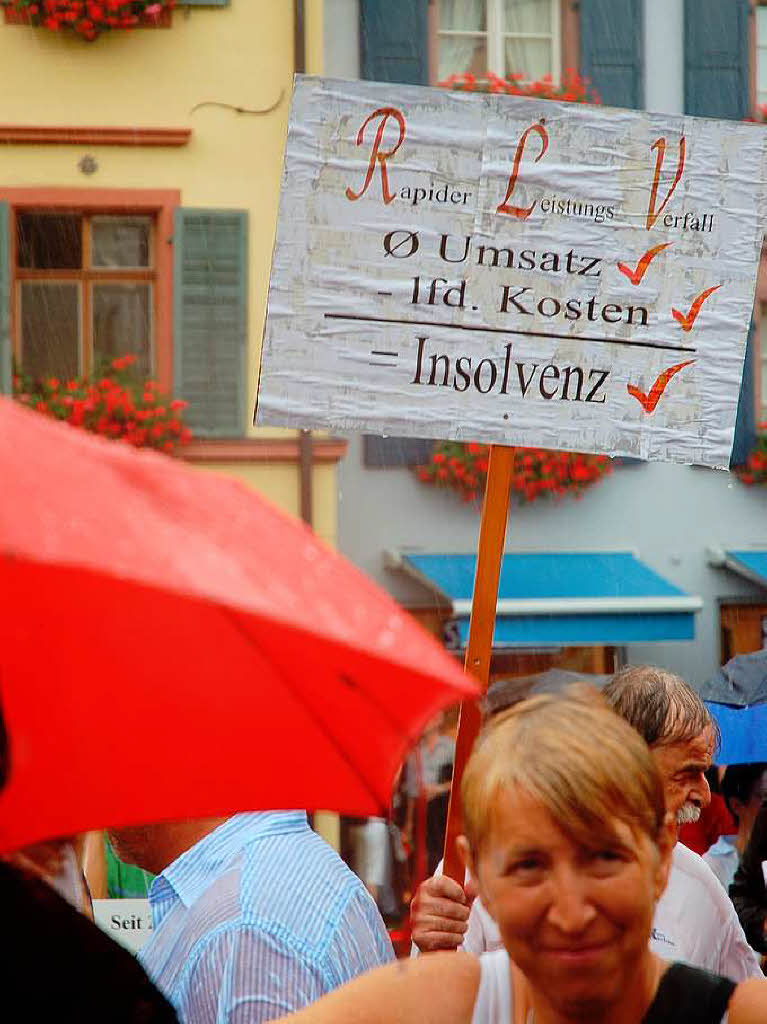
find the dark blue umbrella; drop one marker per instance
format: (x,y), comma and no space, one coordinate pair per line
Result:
(737,697)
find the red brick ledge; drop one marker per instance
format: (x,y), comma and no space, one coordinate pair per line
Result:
(324,450)
(81,135)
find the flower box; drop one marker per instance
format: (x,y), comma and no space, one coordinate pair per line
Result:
(89,18)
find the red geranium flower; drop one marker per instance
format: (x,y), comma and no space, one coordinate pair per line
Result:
(90,17)
(754,469)
(536,472)
(114,404)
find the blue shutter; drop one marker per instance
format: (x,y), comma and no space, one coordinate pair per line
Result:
(394,48)
(745,421)
(394,41)
(611,50)
(6,371)
(210,294)
(716,58)
(716,85)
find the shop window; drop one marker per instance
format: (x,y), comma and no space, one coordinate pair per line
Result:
(84,291)
(504,36)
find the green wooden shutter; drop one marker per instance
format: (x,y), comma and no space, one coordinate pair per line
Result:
(716,85)
(394,41)
(611,50)
(745,421)
(6,370)
(210,295)
(716,58)
(201,3)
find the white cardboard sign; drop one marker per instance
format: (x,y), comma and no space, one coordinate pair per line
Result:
(512,270)
(127,921)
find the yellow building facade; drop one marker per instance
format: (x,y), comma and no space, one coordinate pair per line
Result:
(139,185)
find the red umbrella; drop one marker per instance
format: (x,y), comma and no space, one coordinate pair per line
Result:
(172,645)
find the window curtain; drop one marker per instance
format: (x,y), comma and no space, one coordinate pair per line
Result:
(761,55)
(456,53)
(532,58)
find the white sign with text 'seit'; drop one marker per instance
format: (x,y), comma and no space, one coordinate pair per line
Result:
(512,270)
(127,921)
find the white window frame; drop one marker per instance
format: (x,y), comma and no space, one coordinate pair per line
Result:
(87,277)
(495,37)
(760,45)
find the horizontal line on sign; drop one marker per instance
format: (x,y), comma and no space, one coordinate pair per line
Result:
(510,330)
(380,352)
(372,362)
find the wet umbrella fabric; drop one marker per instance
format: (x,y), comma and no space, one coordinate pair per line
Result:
(737,697)
(172,645)
(742,681)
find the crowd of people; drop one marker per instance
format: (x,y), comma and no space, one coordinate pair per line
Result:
(579,904)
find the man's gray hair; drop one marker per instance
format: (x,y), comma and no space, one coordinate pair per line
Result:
(661,706)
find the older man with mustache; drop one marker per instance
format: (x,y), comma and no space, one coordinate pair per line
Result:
(694,921)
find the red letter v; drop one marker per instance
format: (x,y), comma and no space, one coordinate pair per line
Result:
(660,145)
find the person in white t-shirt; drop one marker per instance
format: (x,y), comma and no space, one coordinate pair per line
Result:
(567,833)
(694,921)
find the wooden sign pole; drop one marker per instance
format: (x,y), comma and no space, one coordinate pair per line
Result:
(492,531)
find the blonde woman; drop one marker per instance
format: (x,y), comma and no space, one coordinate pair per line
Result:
(568,837)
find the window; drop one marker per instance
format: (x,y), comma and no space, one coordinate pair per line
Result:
(85,287)
(98,273)
(761,55)
(504,36)
(742,628)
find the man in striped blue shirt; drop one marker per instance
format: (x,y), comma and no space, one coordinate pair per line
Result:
(254,916)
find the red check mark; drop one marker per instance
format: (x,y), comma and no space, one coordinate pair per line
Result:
(635,276)
(650,401)
(686,322)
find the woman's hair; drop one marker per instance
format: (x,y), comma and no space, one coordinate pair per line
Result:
(575,756)
(739,782)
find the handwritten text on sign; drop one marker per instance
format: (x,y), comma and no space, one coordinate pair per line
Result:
(512,270)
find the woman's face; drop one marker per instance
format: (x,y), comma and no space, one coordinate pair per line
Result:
(575,919)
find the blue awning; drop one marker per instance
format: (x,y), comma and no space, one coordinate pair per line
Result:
(751,564)
(563,598)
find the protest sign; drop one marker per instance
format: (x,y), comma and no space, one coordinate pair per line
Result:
(512,270)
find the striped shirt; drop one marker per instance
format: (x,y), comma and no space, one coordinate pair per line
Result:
(258,919)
